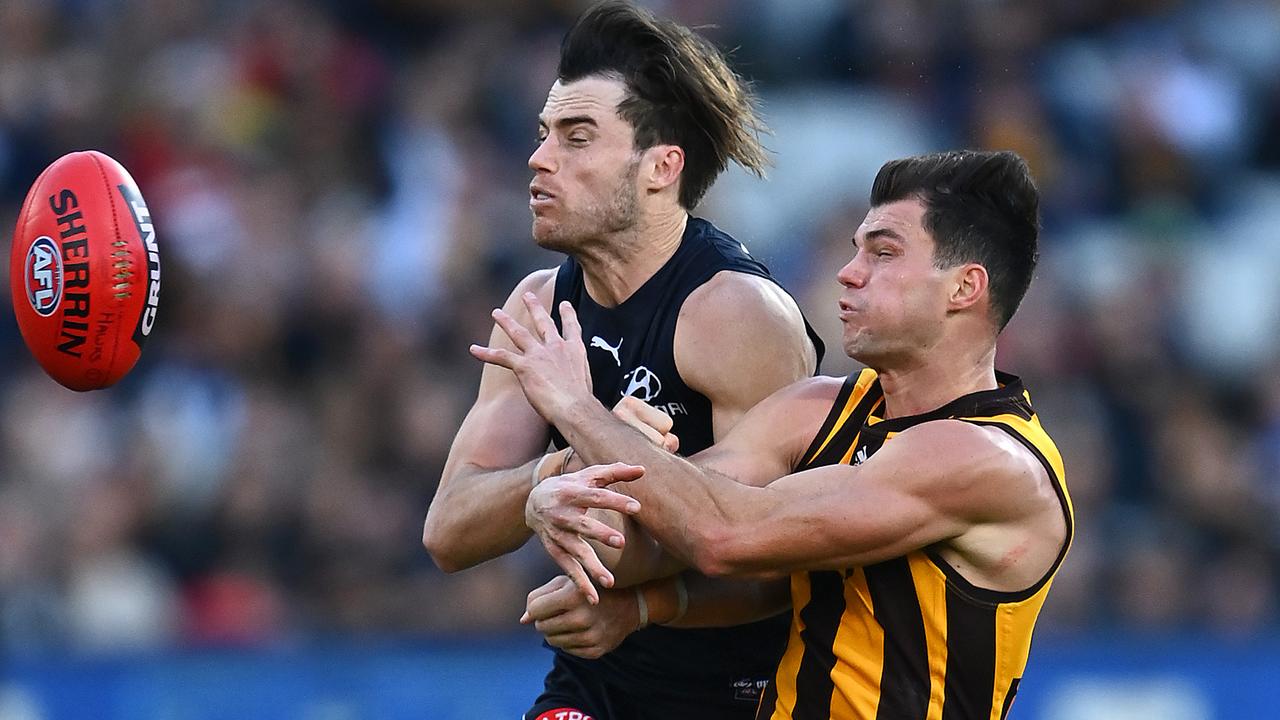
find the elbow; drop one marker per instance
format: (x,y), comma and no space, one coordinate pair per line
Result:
(718,551)
(442,553)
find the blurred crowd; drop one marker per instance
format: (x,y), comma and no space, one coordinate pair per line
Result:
(340,191)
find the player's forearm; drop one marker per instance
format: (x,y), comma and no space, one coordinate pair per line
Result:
(723,602)
(477,515)
(640,559)
(690,512)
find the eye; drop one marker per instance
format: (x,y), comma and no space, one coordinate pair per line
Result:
(579,139)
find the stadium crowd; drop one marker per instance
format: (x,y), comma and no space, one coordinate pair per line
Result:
(340,192)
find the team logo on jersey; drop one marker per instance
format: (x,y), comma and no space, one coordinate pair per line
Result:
(642,384)
(749,689)
(861,456)
(599,342)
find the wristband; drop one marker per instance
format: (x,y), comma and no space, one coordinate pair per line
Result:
(537,470)
(643,607)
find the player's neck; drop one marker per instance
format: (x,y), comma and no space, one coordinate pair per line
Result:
(615,268)
(932,382)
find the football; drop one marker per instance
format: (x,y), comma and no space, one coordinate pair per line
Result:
(84,271)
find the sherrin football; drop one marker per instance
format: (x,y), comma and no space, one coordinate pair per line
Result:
(84,271)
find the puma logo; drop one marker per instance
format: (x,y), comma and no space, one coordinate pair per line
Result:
(599,342)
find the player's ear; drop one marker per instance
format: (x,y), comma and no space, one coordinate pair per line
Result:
(663,165)
(970,286)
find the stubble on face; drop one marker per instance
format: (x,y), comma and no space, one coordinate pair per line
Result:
(616,213)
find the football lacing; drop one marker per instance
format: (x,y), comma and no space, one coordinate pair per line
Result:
(123,272)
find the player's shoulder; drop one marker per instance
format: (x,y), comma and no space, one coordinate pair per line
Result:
(741,330)
(981,455)
(732,300)
(540,282)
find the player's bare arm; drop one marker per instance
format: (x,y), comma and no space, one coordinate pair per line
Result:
(974,494)
(739,338)
(560,611)
(757,451)
(769,352)
(478,510)
(543,362)
(571,622)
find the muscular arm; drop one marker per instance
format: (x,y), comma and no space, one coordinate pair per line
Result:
(972,491)
(561,612)
(945,481)
(723,602)
(478,510)
(738,339)
(756,452)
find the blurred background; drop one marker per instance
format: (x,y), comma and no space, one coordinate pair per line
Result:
(340,191)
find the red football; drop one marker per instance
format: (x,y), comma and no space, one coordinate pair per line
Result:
(84,271)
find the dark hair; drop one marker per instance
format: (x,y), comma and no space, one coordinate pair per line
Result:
(980,207)
(680,90)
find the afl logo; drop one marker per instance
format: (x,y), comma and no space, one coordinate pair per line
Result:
(44,276)
(643,384)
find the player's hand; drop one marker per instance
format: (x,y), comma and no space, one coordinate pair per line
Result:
(552,370)
(556,512)
(570,622)
(655,424)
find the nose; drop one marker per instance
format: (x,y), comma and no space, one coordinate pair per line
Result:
(853,274)
(542,159)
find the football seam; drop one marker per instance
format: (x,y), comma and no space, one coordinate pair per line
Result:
(119,243)
(121,263)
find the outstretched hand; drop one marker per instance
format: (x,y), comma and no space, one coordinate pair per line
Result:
(556,511)
(552,369)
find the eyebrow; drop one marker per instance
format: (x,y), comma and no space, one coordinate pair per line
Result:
(571,121)
(879,233)
(884,232)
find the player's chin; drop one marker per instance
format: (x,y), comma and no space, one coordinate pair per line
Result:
(857,344)
(878,355)
(548,236)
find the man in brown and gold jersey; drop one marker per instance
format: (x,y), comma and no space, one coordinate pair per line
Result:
(918,506)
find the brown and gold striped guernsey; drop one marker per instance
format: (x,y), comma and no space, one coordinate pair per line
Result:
(909,638)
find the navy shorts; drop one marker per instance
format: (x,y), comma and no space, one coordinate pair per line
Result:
(573,693)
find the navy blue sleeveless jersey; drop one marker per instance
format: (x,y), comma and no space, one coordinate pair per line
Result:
(630,349)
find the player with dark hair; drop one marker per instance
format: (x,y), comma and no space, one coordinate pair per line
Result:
(918,505)
(642,118)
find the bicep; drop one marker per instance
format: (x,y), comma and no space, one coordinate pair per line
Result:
(826,519)
(914,492)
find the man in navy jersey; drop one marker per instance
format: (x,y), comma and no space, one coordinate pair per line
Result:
(643,116)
